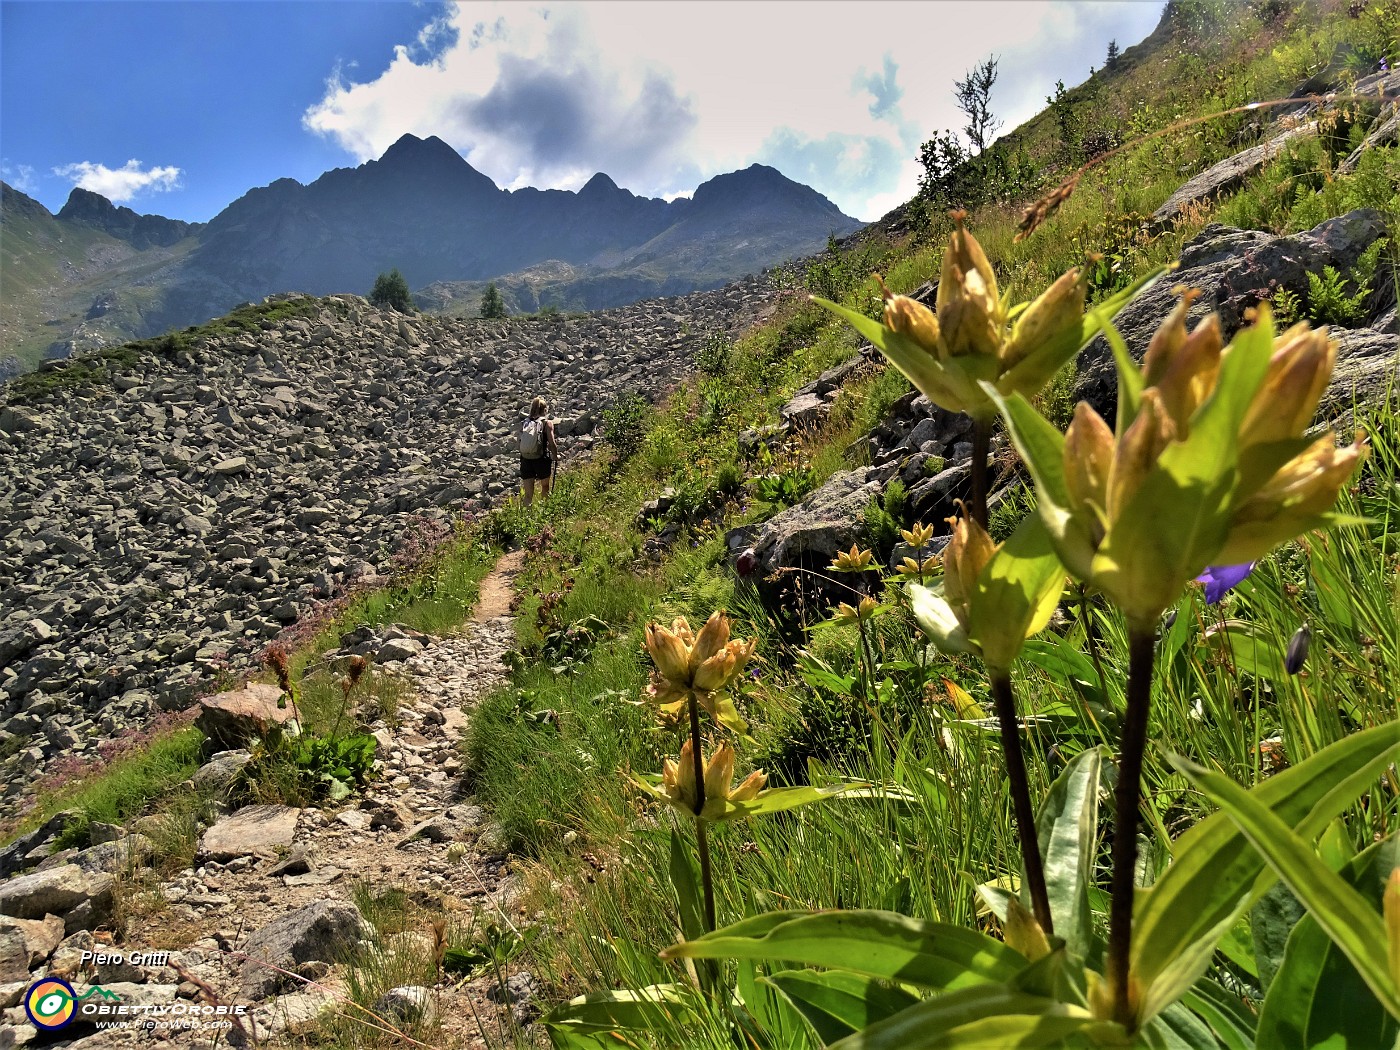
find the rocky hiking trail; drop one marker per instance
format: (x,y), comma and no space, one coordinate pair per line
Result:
(271,901)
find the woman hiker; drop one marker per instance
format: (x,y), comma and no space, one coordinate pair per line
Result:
(538,451)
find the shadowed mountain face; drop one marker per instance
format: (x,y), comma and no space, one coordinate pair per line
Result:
(420,208)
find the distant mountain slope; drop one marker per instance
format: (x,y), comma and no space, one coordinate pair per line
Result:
(421,208)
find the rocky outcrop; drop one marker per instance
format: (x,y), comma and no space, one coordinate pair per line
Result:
(1229,173)
(322,932)
(156,531)
(1235,270)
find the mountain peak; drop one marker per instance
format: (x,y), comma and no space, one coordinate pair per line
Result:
(410,148)
(598,186)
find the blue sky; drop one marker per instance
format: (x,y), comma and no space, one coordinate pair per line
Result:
(179,107)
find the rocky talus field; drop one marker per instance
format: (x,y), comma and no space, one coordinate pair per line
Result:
(158,529)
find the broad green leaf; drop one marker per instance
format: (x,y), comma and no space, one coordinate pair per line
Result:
(1129,378)
(990,1017)
(836,1003)
(1317,999)
(1163,537)
(1249,647)
(1067,829)
(653,1007)
(687,892)
(778,1024)
(1351,923)
(1042,449)
(1040,444)
(1016,594)
(875,943)
(1335,847)
(1216,875)
(1271,922)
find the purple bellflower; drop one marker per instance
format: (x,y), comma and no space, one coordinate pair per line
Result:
(1221,578)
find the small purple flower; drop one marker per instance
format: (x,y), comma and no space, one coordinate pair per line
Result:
(1385,66)
(1221,578)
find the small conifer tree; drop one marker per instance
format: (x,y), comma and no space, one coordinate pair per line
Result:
(492,305)
(390,289)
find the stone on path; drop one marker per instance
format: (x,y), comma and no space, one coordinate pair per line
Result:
(324,932)
(253,831)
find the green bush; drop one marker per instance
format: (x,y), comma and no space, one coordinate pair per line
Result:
(624,425)
(391,290)
(493,307)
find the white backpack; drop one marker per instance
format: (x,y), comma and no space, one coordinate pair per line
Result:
(532,438)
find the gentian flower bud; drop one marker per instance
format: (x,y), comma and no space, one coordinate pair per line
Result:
(1297,654)
(971,319)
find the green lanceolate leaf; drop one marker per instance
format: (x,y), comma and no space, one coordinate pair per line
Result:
(611,1011)
(836,1003)
(1016,594)
(1216,875)
(1067,829)
(1317,998)
(990,1017)
(1343,913)
(1129,378)
(1223,1012)
(875,943)
(953,387)
(1040,445)
(687,892)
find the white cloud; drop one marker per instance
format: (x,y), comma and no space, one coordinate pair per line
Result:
(120,185)
(662,96)
(20,176)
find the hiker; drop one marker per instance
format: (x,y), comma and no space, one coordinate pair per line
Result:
(538,451)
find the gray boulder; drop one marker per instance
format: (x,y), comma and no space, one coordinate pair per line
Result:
(795,546)
(1234,269)
(324,931)
(1228,173)
(81,897)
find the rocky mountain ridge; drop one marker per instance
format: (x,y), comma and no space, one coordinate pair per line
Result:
(97,275)
(155,531)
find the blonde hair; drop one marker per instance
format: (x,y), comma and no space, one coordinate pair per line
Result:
(538,407)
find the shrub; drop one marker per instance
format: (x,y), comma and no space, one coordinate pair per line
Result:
(390,289)
(624,425)
(493,306)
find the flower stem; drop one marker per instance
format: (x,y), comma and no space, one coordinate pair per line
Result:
(1021,797)
(1127,801)
(981,447)
(702,836)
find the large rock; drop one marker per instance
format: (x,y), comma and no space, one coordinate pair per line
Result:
(1229,173)
(81,897)
(260,831)
(240,717)
(795,546)
(1234,269)
(26,944)
(325,931)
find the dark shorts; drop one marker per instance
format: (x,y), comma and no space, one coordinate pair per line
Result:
(535,469)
